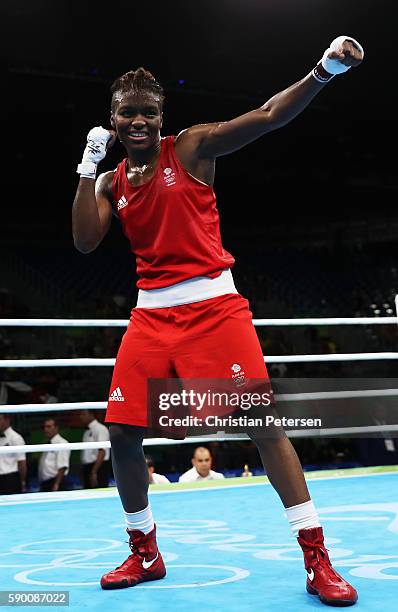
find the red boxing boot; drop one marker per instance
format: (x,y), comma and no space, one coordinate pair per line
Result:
(322,579)
(145,563)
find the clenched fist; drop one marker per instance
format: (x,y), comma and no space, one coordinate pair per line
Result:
(344,53)
(99,140)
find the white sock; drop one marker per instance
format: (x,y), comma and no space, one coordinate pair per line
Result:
(141,520)
(302,516)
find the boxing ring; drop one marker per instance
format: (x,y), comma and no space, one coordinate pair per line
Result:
(229,549)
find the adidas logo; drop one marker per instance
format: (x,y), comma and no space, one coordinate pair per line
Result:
(122,203)
(116,396)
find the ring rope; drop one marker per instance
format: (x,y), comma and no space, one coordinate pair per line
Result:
(283,397)
(98,362)
(332,431)
(256,322)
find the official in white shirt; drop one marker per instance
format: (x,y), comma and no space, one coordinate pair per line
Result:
(201,469)
(12,466)
(95,462)
(53,465)
(153,477)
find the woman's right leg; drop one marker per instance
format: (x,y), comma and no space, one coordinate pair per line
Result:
(129,466)
(141,356)
(131,474)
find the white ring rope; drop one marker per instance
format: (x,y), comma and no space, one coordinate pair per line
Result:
(284,397)
(332,431)
(328,321)
(63,323)
(21,408)
(256,322)
(55,363)
(88,361)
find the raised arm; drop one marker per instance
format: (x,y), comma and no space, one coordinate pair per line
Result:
(92,207)
(213,140)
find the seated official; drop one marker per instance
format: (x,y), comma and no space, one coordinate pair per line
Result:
(153,477)
(201,469)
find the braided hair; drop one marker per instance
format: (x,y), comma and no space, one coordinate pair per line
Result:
(137,81)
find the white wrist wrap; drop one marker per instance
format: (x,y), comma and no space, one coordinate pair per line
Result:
(95,151)
(335,66)
(87,169)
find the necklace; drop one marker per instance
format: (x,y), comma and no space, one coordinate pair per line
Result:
(139,169)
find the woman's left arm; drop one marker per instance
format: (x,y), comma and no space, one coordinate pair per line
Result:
(216,139)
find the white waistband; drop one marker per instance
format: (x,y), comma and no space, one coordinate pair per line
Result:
(189,291)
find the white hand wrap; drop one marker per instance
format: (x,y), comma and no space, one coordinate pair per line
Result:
(335,66)
(95,151)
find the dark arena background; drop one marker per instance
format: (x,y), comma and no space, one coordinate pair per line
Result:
(310,214)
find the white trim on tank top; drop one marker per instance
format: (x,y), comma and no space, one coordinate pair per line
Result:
(192,290)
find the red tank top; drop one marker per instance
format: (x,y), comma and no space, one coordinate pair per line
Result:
(172,223)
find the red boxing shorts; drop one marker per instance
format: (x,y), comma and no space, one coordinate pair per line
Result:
(211,339)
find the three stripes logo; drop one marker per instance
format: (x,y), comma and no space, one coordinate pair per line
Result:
(116,396)
(122,203)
